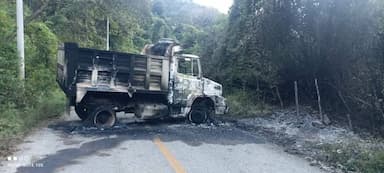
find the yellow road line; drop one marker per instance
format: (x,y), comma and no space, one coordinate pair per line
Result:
(177,167)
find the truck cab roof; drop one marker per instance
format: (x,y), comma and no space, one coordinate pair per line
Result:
(168,41)
(190,56)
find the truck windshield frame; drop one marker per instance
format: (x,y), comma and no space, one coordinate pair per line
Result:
(189,66)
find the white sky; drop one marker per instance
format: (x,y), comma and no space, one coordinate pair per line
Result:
(222,5)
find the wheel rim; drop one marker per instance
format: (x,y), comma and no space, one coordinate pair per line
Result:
(104,119)
(198,116)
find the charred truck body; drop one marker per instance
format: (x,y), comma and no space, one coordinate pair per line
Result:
(161,82)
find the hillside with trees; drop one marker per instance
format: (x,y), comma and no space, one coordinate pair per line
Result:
(267,45)
(261,48)
(257,51)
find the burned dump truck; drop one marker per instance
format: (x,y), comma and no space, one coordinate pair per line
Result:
(161,82)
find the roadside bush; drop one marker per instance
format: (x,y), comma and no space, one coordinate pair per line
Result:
(374,164)
(10,122)
(15,120)
(353,157)
(344,156)
(46,107)
(243,104)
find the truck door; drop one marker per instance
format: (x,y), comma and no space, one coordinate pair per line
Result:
(188,82)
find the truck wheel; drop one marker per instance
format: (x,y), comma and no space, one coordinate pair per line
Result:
(81,112)
(103,117)
(199,115)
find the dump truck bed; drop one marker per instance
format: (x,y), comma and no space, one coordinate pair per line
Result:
(109,71)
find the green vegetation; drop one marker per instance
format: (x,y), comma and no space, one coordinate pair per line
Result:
(353,157)
(14,120)
(272,43)
(373,164)
(244,104)
(22,108)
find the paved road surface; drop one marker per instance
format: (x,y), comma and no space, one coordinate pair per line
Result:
(149,147)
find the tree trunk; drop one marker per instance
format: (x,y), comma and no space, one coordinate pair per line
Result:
(297,99)
(279,96)
(348,109)
(319,101)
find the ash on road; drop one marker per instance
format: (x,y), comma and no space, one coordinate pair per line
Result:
(146,147)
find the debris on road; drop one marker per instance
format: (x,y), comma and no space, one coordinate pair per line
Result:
(333,148)
(68,146)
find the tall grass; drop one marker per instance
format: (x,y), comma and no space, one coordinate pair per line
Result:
(354,157)
(246,104)
(15,120)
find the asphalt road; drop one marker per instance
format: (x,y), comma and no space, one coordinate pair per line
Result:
(66,146)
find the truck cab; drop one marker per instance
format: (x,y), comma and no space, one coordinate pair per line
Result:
(193,92)
(190,94)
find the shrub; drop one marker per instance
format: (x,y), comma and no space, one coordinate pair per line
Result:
(10,122)
(15,120)
(45,107)
(374,164)
(242,103)
(353,157)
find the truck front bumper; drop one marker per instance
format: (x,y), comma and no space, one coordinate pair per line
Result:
(221,106)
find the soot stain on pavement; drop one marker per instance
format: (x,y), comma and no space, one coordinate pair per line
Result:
(168,131)
(68,156)
(100,154)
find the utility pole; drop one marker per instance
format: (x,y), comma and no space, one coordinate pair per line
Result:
(20,37)
(107,33)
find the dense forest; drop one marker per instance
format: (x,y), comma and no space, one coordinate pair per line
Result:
(257,51)
(267,45)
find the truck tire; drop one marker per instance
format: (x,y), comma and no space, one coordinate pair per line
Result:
(199,114)
(103,117)
(81,112)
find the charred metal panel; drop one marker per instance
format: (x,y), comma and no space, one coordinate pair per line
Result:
(61,67)
(186,88)
(66,68)
(171,83)
(212,88)
(187,84)
(165,75)
(214,91)
(158,73)
(151,110)
(107,71)
(139,72)
(220,105)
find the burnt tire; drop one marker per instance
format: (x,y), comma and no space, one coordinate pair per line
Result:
(103,117)
(199,115)
(82,112)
